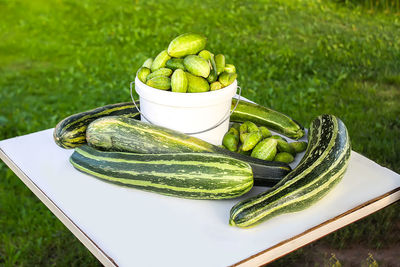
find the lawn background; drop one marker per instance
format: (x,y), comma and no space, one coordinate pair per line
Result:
(303,58)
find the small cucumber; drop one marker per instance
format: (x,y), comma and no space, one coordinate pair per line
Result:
(160,82)
(197,84)
(160,72)
(265,132)
(230,141)
(212,78)
(251,140)
(284,157)
(284,146)
(148,63)
(215,86)
(230,68)
(142,74)
(266,149)
(248,127)
(263,116)
(207,55)
(175,63)
(187,44)
(299,146)
(227,78)
(160,60)
(234,131)
(197,65)
(243,136)
(220,63)
(179,82)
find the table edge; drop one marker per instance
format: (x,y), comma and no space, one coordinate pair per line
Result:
(285,247)
(82,237)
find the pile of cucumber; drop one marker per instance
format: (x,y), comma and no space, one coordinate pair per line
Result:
(258,142)
(186,67)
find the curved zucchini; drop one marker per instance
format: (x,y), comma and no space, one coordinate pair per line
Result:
(186,175)
(71,131)
(322,167)
(116,133)
(262,116)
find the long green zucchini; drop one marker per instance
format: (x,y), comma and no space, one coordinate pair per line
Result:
(70,132)
(322,167)
(116,133)
(263,116)
(186,175)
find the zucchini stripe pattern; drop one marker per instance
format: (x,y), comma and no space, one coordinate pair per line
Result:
(71,131)
(322,167)
(262,116)
(116,133)
(186,175)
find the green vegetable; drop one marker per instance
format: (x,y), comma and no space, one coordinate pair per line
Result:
(230,68)
(212,78)
(220,63)
(207,55)
(197,65)
(265,132)
(186,175)
(251,140)
(227,78)
(160,72)
(187,44)
(197,84)
(273,120)
(230,141)
(284,157)
(71,131)
(299,146)
(179,82)
(142,74)
(148,63)
(175,63)
(321,168)
(265,150)
(160,82)
(160,61)
(284,146)
(215,86)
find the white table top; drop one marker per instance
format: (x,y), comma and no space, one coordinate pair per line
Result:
(128,227)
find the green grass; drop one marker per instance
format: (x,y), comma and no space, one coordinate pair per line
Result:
(303,58)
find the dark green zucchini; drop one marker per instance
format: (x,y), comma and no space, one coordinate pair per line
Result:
(116,133)
(71,131)
(262,116)
(321,168)
(187,175)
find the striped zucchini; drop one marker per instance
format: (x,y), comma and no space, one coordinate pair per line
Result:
(186,175)
(71,131)
(322,167)
(262,116)
(116,133)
